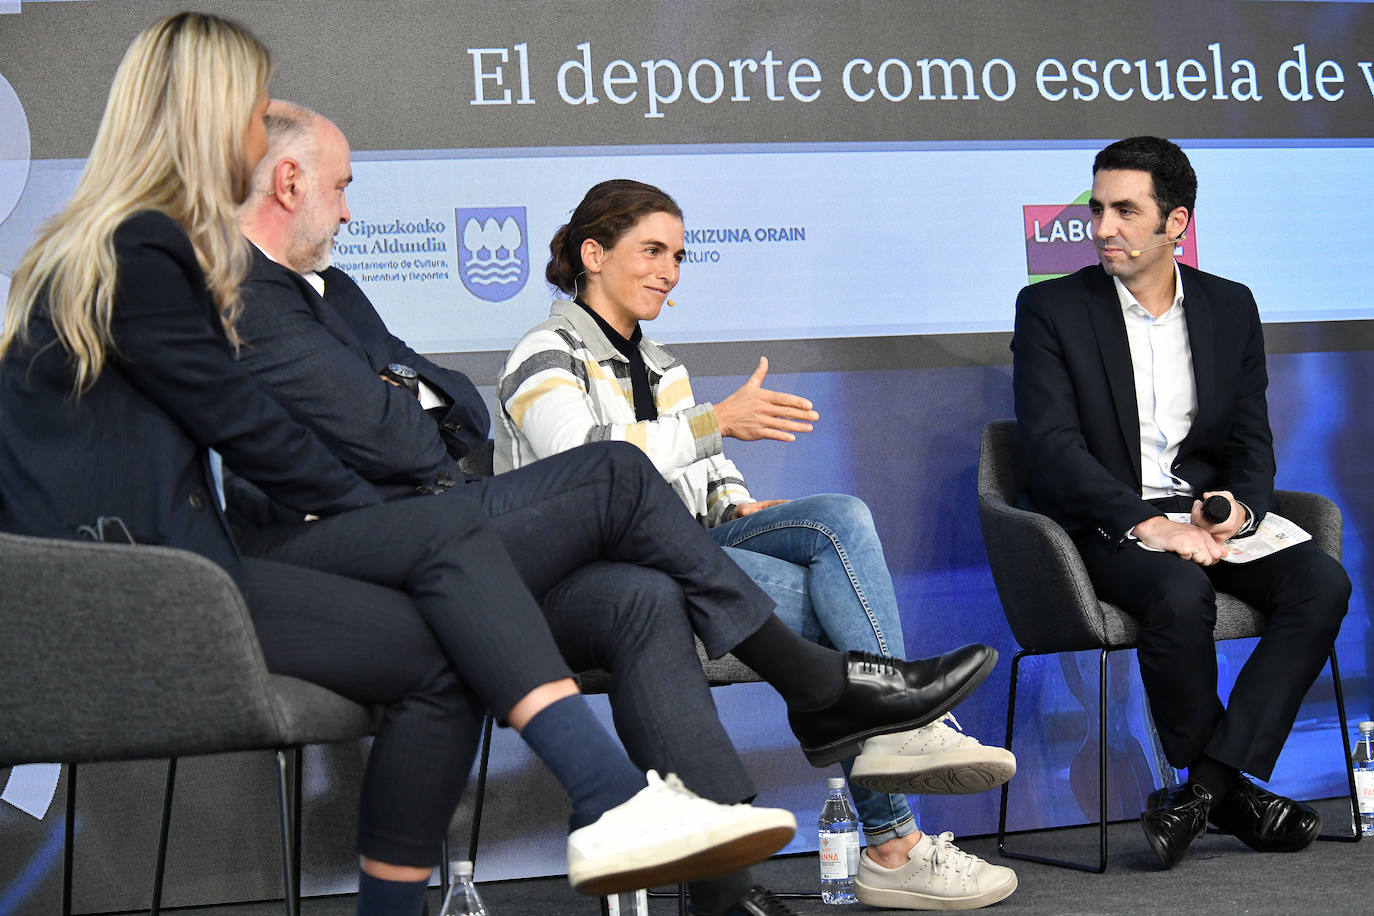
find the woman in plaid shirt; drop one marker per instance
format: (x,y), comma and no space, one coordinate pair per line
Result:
(588,373)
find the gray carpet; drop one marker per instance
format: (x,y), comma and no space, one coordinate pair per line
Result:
(1219,875)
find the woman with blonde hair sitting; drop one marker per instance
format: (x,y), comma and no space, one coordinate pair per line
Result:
(118,396)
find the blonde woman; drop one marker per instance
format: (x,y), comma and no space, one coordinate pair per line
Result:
(119,394)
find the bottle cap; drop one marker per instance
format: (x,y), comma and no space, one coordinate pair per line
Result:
(462,869)
(835,782)
(1367,726)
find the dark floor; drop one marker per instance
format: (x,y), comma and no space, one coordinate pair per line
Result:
(1219,875)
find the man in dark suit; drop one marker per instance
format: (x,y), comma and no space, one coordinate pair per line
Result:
(314,341)
(1140,391)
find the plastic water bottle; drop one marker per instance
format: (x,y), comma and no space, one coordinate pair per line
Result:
(462,899)
(629,903)
(1362,756)
(839,835)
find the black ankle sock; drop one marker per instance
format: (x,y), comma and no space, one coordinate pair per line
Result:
(1214,776)
(716,895)
(805,674)
(378,896)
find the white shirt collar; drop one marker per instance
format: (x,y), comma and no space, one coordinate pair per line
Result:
(1128,299)
(312,277)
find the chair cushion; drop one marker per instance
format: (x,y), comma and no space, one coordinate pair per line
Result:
(311,714)
(1235,620)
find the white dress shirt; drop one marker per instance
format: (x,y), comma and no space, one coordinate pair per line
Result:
(1165,391)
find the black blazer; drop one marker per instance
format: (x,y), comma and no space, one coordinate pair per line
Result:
(135,444)
(1076,405)
(320,358)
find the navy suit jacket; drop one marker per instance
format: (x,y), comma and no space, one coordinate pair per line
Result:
(320,357)
(135,444)
(1076,402)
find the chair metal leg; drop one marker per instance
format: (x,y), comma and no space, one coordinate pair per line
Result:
(481,792)
(68,841)
(443,868)
(1102,773)
(296,820)
(1011,721)
(287,850)
(1355,834)
(1102,761)
(160,866)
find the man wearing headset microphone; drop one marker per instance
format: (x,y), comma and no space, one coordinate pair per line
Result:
(1140,392)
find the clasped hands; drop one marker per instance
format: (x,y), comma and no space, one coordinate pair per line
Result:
(1197,539)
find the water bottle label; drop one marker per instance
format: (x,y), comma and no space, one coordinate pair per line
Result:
(852,858)
(835,855)
(1364,788)
(633,903)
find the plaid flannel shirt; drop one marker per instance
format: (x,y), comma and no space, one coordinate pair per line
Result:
(564,384)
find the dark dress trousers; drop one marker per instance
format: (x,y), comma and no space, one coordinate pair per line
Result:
(623,573)
(1076,409)
(135,446)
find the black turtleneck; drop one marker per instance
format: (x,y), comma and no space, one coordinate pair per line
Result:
(645,408)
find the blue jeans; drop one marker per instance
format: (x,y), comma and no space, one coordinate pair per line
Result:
(819,558)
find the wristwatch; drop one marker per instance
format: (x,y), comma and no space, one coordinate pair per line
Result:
(404,376)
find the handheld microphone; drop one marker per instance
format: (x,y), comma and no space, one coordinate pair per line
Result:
(1137,252)
(1216,509)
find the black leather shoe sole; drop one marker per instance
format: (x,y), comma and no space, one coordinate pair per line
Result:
(848,745)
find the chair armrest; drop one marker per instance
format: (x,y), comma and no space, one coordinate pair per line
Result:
(1316,515)
(1045,591)
(480,461)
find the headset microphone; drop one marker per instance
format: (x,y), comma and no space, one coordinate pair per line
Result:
(671,303)
(1137,252)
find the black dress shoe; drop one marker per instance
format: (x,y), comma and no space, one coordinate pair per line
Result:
(758,901)
(883,695)
(1265,821)
(1173,818)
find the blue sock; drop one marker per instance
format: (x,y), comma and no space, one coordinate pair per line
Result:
(379,897)
(586,761)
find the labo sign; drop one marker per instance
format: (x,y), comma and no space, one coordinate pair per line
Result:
(1059,240)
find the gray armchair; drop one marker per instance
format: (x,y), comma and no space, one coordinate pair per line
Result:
(1051,606)
(115,652)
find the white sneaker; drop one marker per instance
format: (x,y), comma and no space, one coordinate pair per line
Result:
(666,834)
(934,759)
(937,876)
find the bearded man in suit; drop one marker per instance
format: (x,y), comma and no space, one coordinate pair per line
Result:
(623,573)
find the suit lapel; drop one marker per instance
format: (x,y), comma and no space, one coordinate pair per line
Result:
(329,316)
(1201,337)
(1109,329)
(1201,343)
